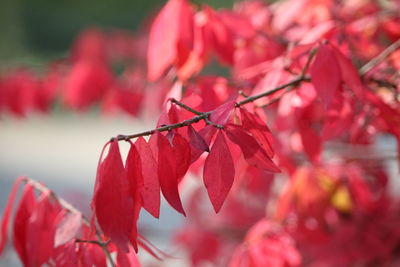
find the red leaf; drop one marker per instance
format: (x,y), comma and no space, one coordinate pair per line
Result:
(221,38)
(349,73)
(164,37)
(66,255)
(196,140)
(222,114)
(197,56)
(258,129)
(168,173)
(134,176)
(112,199)
(153,144)
(7,213)
(311,141)
(127,259)
(325,74)
(22,215)
(42,226)
(182,153)
(252,151)
(91,255)
(86,83)
(151,187)
(338,118)
(68,228)
(219,172)
(207,133)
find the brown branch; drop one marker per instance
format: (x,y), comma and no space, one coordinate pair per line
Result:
(379,58)
(164,128)
(179,103)
(68,206)
(242,93)
(204,115)
(293,83)
(253,98)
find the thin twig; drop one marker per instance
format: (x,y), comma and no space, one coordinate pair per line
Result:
(308,63)
(173,100)
(293,82)
(204,115)
(164,128)
(242,93)
(379,58)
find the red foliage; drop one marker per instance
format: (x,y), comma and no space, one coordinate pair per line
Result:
(322,74)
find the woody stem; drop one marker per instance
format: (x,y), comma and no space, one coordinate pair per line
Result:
(293,83)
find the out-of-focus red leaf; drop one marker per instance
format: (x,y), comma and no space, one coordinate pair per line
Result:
(196,58)
(86,83)
(21,219)
(122,97)
(219,172)
(165,34)
(349,73)
(338,118)
(7,212)
(68,228)
(41,227)
(127,259)
(91,255)
(89,45)
(151,187)
(252,151)
(66,255)
(258,129)
(311,141)
(220,37)
(112,200)
(237,23)
(286,13)
(325,74)
(267,244)
(168,173)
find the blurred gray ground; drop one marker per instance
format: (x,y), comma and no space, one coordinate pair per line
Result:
(62,152)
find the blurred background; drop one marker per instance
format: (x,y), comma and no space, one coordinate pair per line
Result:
(61,149)
(41,30)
